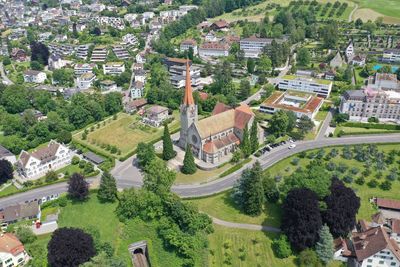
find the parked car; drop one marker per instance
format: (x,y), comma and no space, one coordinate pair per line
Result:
(292,146)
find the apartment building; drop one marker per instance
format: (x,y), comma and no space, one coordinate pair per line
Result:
(309,85)
(113,68)
(82,51)
(214,49)
(391,55)
(33,165)
(254,46)
(120,52)
(178,75)
(61,49)
(80,69)
(363,104)
(137,90)
(384,81)
(99,54)
(85,81)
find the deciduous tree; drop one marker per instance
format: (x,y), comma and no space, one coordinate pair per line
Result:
(78,188)
(6,171)
(158,178)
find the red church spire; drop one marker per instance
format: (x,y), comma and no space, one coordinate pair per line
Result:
(188,97)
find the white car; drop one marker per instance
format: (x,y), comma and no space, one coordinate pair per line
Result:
(292,146)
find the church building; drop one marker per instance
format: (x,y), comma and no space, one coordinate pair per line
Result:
(214,137)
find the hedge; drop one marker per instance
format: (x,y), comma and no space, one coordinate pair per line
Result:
(110,160)
(371,125)
(368,133)
(235,168)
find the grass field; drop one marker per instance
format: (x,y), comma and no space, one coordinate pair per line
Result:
(201,176)
(93,215)
(358,130)
(255,246)
(222,207)
(371,9)
(125,133)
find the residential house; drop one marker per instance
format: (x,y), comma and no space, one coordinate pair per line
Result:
(7,155)
(113,68)
(21,211)
(155,116)
(134,105)
(219,25)
(140,76)
(329,75)
(361,105)
(108,85)
(18,54)
(309,85)
(359,60)
(12,251)
(56,62)
(177,70)
(80,69)
(211,37)
(34,76)
(85,81)
(391,55)
(141,58)
(137,90)
(302,104)
(189,43)
(350,51)
(33,165)
(214,49)
(130,39)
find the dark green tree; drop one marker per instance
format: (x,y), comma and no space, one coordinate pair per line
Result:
(251,64)
(303,57)
(324,247)
(245,145)
(244,89)
(279,123)
(108,188)
(145,154)
(189,166)
(254,137)
(158,178)
(168,149)
(248,192)
(6,171)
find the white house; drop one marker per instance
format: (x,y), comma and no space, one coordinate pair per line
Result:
(34,76)
(189,43)
(12,251)
(137,90)
(141,58)
(214,49)
(85,81)
(391,55)
(7,155)
(56,62)
(113,68)
(80,69)
(350,51)
(140,76)
(33,165)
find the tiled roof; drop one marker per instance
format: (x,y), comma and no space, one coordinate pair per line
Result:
(9,243)
(388,203)
(219,108)
(4,152)
(44,154)
(213,146)
(157,109)
(215,46)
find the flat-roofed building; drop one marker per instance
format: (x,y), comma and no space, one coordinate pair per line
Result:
(80,69)
(85,81)
(99,54)
(309,85)
(391,55)
(113,68)
(302,104)
(254,46)
(214,49)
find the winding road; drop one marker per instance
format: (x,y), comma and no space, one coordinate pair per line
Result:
(128,175)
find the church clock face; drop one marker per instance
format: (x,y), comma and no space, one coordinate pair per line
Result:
(194,139)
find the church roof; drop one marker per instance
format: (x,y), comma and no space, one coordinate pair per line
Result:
(188,97)
(213,146)
(232,118)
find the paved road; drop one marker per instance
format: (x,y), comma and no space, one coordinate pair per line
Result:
(134,177)
(246,226)
(325,125)
(4,76)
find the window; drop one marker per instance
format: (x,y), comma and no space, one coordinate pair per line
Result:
(381,262)
(369,260)
(393,263)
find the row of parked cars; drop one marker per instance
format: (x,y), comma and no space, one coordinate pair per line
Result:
(44,199)
(269,147)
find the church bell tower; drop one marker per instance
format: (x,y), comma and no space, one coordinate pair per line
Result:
(188,110)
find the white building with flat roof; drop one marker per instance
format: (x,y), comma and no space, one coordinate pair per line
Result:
(391,55)
(113,68)
(85,81)
(309,85)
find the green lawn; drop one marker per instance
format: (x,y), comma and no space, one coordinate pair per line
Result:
(125,133)
(8,190)
(254,245)
(201,176)
(94,215)
(357,130)
(389,8)
(222,207)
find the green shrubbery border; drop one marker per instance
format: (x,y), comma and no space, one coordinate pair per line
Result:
(371,125)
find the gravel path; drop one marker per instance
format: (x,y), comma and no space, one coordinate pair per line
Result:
(246,226)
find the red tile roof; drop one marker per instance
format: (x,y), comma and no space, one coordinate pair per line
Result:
(388,203)
(9,243)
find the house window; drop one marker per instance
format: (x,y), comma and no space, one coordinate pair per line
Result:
(393,264)
(369,260)
(381,262)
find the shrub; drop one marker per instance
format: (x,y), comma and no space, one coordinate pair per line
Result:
(295,161)
(386,185)
(354,170)
(348,179)
(373,183)
(25,234)
(281,247)
(51,176)
(330,166)
(360,181)
(82,164)
(75,160)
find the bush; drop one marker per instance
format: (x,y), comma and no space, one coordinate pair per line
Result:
(82,164)
(354,170)
(392,127)
(25,234)
(51,176)
(75,160)
(281,247)
(360,181)
(348,179)
(386,185)
(373,183)
(295,161)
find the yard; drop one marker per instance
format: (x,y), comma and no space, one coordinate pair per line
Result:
(201,176)
(93,215)
(125,133)
(358,131)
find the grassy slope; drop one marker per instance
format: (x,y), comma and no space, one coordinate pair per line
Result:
(200,176)
(386,7)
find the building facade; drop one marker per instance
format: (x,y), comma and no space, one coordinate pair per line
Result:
(391,55)
(85,81)
(113,68)
(309,85)
(12,251)
(33,165)
(34,76)
(363,104)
